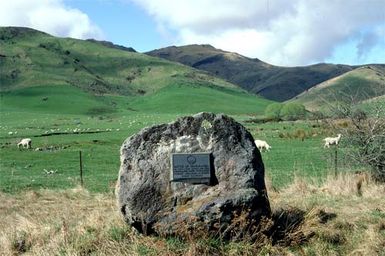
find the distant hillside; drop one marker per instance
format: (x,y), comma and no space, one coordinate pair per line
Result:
(112,45)
(375,105)
(253,75)
(40,71)
(361,84)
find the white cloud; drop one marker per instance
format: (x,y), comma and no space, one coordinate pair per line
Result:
(51,16)
(296,32)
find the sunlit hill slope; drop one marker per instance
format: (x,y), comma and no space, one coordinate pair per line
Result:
(51,74)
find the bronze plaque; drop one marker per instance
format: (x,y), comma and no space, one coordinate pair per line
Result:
(191,168)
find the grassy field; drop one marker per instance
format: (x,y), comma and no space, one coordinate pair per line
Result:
(73,95)
(297,151)
(99,139)
(316,212)
(329,218)
(49,213)
(61,136)
(63,120)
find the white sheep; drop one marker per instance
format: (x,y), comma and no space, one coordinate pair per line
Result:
(332,141)
(50,171)
(25,143)
(262,145)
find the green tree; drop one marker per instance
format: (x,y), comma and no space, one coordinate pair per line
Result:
(293,111)
(273,111)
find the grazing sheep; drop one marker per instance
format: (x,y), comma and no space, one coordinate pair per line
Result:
(25,143)
(262,145)
(332,141)
(50,171)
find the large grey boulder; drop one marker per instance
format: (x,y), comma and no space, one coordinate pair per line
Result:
(152,204)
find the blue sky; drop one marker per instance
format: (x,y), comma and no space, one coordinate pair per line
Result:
(123,23)
(280,32)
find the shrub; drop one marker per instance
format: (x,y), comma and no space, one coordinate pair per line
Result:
(273,111)
(366,136)
(293,111)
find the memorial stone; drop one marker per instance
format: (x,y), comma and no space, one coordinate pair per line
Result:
(199,172)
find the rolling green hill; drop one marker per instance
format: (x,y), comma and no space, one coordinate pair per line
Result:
(357,85)
(253,75)
(50,74)
(184,98)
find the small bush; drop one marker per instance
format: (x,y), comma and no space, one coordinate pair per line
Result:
(293,111)
(365,133)
(273,111)
(297,134)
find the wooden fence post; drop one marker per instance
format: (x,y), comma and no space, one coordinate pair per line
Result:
(336,160)
(81,168)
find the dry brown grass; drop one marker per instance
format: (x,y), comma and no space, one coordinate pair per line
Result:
(333,218)
(50,222)
(344,214)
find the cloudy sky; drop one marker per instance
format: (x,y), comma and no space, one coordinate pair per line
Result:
(280,32)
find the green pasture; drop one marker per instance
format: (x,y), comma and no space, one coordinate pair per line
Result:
(59,99)
(185,98)
(25,169)
(63,120)
(99,139)
(297,151)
